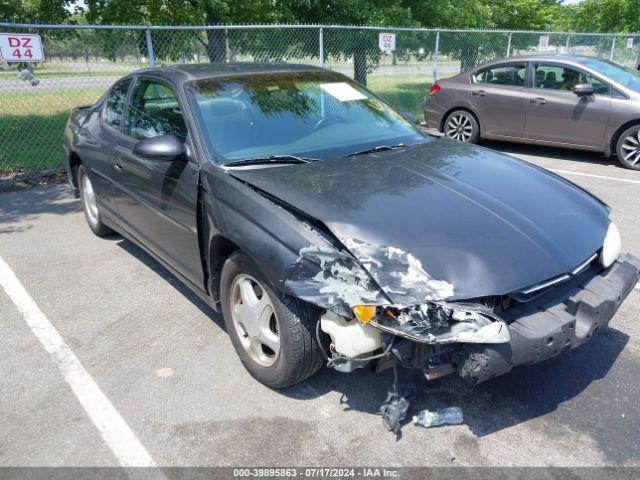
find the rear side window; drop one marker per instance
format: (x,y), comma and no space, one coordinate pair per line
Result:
(512,75)
(115,103)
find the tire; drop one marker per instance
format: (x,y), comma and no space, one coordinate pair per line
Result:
(292,321)
(89,205)
(628,148)
(462,126)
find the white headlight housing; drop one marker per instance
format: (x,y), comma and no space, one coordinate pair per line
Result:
(611,246)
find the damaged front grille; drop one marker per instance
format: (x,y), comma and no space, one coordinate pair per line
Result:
(534,291)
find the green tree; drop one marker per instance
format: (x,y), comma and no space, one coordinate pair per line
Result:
(500,14)
(184,12)
(607,16)
(35,11)
(362,46)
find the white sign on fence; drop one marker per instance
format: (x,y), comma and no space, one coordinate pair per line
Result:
(630,42)
(387,42)
(544,41)
(19,47)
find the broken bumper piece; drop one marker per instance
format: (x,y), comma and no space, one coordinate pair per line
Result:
(554,322)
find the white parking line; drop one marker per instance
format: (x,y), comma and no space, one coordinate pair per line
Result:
(114,430)
(594,176)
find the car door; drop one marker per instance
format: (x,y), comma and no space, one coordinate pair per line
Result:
(556,114)
(498,94)
(98,159)
(157,200)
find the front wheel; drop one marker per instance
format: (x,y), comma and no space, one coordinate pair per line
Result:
(628,148)
(273,334)
(90,204)
(462,126)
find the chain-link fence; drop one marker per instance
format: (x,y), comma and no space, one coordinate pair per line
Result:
(83,61)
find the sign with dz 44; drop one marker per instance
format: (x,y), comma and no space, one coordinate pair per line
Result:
(18,47)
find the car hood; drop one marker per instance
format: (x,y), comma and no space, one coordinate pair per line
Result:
(479,221)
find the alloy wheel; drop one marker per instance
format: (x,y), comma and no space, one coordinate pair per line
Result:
(631,148)
(89,200)
(255,320)
(459,128)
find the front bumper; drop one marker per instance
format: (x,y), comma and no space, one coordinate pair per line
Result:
(554,322)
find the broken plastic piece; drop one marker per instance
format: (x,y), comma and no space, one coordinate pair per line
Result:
(394,410)
(364,313)
(443,416)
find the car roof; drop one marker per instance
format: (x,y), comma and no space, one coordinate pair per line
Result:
(195,71)
(575,59)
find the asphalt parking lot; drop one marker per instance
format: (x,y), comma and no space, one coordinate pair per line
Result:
(161,358)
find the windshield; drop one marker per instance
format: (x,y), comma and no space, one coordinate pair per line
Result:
(319,115)
(624,76)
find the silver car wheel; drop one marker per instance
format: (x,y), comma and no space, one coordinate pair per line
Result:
(255,320)
(631,148)
(459,128)
(89,200)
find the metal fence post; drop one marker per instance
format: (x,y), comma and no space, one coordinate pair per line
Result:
(509,45)
(226,44)
(152,59)
(566,44)
(613,48)
(435,57)
(321,46)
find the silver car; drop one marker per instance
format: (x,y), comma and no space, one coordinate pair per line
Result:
(560,100)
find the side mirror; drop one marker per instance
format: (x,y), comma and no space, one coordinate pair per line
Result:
(407,116)
(164,148)
(583,89)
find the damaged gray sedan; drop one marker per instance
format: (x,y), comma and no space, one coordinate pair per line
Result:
(328,229)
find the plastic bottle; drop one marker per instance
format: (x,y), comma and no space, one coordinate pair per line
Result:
(427,419)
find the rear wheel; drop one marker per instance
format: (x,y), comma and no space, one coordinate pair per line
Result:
(462,126)
(90,205)
(273,334)
(628,148)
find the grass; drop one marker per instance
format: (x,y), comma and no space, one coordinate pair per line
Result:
(31,127)
(407,93)
(32,123)
(13,74)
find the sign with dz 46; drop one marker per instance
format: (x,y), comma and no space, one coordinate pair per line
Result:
(18,47)
(387,42)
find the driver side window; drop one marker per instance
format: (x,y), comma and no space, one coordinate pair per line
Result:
(153,111)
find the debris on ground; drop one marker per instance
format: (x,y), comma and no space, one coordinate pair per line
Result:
(394,410)
(443,416)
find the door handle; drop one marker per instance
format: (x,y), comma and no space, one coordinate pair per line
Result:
(538,101)
(479,93)
(117,164)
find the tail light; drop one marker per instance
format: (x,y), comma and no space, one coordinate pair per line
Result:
(435,88)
